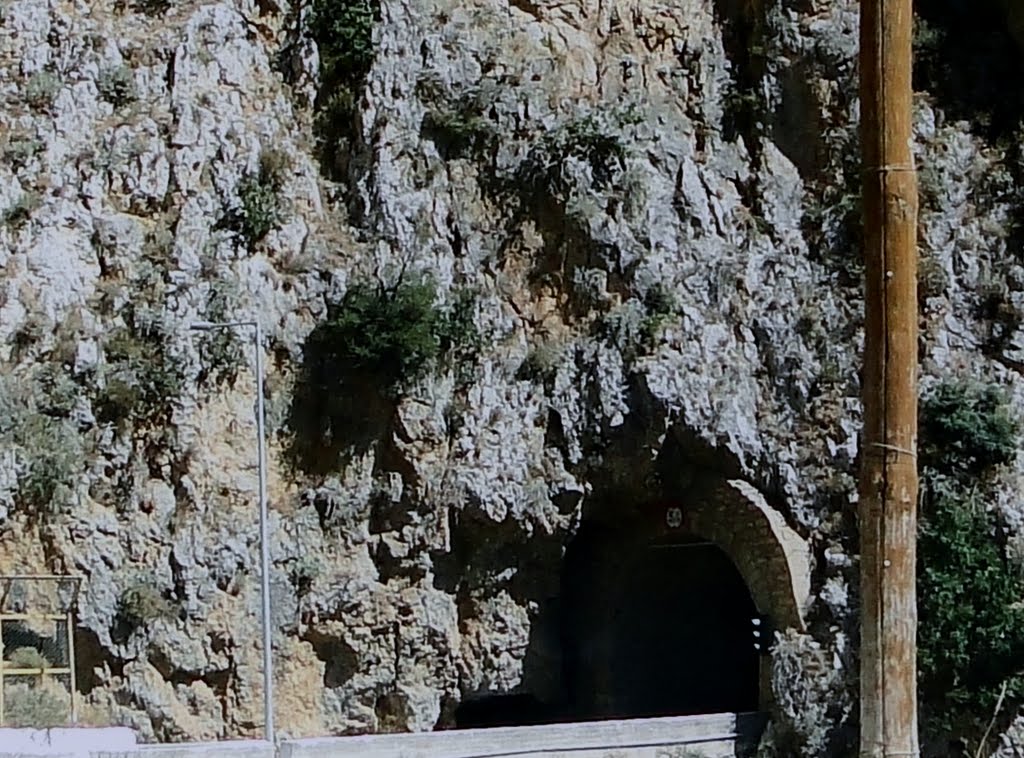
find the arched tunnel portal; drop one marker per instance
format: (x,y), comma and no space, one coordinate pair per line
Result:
(657,612)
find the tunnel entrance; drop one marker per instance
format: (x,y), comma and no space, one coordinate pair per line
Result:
(663,628)
(652,614)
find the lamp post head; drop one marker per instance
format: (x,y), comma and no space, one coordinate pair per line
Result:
(205,326)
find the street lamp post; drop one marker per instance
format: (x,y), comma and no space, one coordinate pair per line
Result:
(268,674)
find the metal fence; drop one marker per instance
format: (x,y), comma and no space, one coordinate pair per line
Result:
(37,650)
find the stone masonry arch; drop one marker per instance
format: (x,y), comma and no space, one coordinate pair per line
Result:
(773,559)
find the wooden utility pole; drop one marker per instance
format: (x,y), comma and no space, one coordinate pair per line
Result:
(888,483)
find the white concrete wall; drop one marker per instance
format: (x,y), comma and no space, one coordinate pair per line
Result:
(227,748)
(73,743)
(713,736)
(710,736)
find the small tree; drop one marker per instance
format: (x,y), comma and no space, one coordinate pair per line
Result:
(971,623)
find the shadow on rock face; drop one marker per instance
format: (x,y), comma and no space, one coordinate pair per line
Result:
(964,54)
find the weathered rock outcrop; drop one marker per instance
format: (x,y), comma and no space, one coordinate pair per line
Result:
(630,151)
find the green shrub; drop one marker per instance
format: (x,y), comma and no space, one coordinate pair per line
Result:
(21,149)
(34,424)
(832,218)
(343,30)
(17,215)
(51,453)
(27,658)
(141,603)
(152,7)
(459,128)
(971,627)
(966,429)
(971,623)
(634,326)
(304,573)
(41,90)
(541,362)
(391,334)
(141,379)
(334,126)
(116,85)
(34,704)
(660,305)
(222,351)
(260,196)
(357,362)
(588,139)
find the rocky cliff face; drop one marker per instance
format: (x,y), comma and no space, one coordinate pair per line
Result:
(651,207)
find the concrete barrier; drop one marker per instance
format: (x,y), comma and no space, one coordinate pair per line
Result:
(723,735)
(228,749)
(73,743)
(715,736)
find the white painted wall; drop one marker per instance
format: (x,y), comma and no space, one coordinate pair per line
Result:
(713,736)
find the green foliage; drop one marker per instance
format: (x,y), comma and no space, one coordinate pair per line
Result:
(17,215)
(152,7)
(304,572)
(541,362)
(21,149)
(833,219)
(116,85)
(392,334)
(971,623)
(52,455)
(971,626)
(31,704)
(634,326)
(590,139)
(260,196)
(334,126)
(141,379)
(141,603)
(343,30)
(41,90)
(966,429)
(459,128)
(358,361)
(660,304)
(27,658)
(221,349)
(34,424)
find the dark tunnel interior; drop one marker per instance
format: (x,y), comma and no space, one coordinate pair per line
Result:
(652,629)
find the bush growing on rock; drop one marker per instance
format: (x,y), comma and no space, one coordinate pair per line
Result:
(374,344)
(457,126)
(589,139)
(35,705)
(966,429)
(17,215)
(140,378)
(46,444)
(343,30)
(141,603)
(21,149)
(116,85)
(971,625)
(41,90)
(221,349)
(260,196)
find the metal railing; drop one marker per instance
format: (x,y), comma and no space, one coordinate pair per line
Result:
(38,611)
